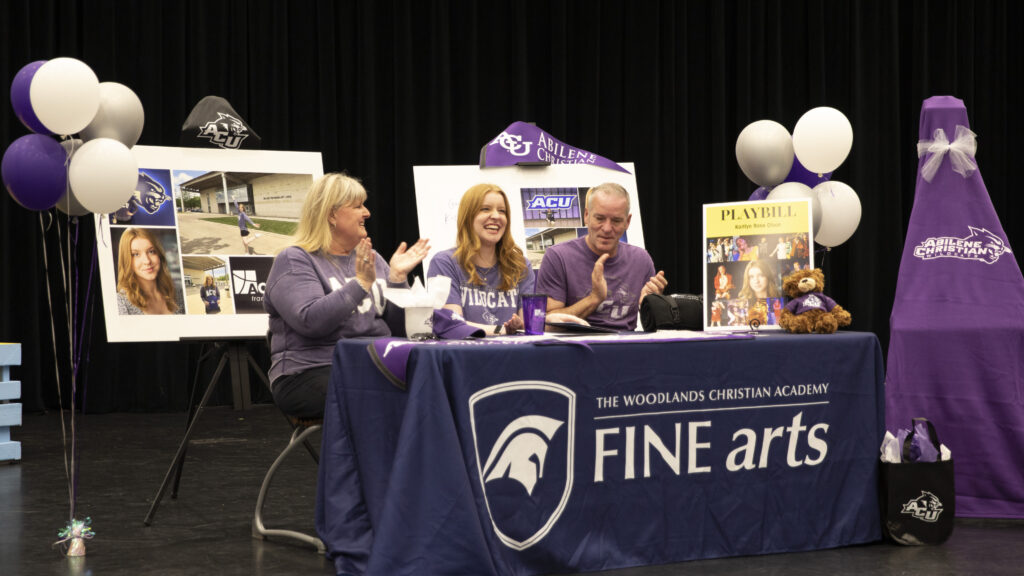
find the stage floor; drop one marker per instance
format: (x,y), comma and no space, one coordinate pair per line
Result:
(206,530)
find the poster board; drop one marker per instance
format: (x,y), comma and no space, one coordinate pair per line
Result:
(555,217)
(748,248)
(187,202)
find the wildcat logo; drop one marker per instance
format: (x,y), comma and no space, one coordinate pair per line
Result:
(551,201)
(149,194)
(813,301)
(980,245)
(618,305)
(526,431)
(926,507)
(226,131)
(245,284)
(513,143)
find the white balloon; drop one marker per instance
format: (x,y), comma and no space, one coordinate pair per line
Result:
(796,190)
(65,95)
(840,213)
(120,115)
(764,151)
(103,175)
(822,139)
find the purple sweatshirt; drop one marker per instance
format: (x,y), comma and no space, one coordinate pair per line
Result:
(313,301)
(242,219)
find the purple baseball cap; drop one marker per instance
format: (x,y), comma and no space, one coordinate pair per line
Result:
(450,325)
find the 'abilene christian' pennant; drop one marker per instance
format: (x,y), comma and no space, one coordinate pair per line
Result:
(522,142)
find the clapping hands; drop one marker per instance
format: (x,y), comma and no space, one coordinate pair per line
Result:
(406,258)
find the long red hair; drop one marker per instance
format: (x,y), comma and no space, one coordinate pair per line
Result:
(126,280)
(510,257)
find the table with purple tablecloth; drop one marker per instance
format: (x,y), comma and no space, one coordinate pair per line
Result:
(488,458)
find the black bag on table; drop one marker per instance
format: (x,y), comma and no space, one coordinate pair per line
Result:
(672,312)
(917,499)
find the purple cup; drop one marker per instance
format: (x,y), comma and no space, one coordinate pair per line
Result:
(535,309)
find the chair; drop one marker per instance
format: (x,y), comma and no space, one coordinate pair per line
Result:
(301,429)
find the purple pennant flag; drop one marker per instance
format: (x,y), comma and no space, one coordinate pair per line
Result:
(525,143)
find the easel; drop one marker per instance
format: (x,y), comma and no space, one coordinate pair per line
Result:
(234,354)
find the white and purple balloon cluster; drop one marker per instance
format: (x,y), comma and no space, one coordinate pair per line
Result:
(95,172)
(801,166)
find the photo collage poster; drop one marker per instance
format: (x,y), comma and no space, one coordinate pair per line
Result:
(547,202)
(749,247)
(188,254)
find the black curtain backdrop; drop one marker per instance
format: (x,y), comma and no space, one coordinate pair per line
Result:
(381,86)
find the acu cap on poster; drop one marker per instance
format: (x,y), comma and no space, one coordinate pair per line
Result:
(213,123)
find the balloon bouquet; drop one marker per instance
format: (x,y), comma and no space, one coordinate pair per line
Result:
(63,97)
(801,166)
(96,172)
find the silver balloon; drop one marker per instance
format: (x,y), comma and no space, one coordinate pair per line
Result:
(840,213)
(764,151)
(70,145)
(796,190)
(68,204)
(120,116)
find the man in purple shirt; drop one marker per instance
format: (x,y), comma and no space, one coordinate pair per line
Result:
(596,277)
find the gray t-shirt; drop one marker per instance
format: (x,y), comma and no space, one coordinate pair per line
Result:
(126,308)
(313,301)
(565,276)
(481,304)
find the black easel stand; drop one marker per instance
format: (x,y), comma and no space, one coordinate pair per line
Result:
(233,352)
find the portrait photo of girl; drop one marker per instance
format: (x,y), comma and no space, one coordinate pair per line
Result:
(146,283)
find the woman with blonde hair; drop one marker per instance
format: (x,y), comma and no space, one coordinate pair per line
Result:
(489,273)
(144,284)
(327,286)
(210,295)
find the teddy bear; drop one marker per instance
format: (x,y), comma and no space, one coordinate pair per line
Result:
(809,310)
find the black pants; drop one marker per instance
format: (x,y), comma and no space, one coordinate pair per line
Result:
(302,395)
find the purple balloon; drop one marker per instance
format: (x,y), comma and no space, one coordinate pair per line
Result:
(804,176)
(21,100)
(761,193)
(33,171)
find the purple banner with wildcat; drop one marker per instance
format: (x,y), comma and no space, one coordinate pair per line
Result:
(525,143)
(956,352)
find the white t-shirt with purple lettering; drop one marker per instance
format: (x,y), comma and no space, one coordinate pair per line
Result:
(565,276)
(481,304)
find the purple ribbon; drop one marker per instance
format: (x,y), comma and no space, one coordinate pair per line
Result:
(526,143)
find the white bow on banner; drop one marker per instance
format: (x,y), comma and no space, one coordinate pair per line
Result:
(961,152)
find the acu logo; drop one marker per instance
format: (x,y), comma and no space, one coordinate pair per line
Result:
(245,284)
(927,507)
(226,131)
(523,437)
(513,143)
(551,201)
